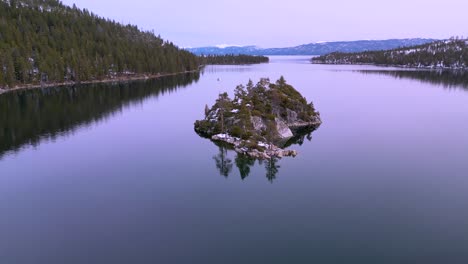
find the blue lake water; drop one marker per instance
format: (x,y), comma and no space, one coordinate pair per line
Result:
(116,173)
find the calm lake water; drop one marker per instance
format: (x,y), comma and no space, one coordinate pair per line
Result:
(116,173)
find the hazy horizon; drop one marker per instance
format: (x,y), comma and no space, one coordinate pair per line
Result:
(268,25)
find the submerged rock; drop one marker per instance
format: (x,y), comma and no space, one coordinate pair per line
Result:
(259,119)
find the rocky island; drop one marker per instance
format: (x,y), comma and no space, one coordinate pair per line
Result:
(261,119)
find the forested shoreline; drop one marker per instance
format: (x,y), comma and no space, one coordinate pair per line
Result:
(232,59)
(43,42)
(447,54)
(119,79)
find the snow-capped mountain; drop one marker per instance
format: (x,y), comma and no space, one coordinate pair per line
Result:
(318,48)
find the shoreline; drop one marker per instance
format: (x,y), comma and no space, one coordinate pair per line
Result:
(395,66)
(262,150)
(267,151)
(119,79)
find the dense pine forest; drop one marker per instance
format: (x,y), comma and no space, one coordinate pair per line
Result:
(451,54)
(232,59)
(44,41)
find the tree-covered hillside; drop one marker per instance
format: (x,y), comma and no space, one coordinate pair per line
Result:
(44,41)
(451,53)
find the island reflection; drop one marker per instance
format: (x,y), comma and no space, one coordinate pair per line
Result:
(224,164)
(28,117)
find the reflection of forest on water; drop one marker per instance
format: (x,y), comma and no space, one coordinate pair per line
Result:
(227,68)
(450,79)
(224,164)
(30,116)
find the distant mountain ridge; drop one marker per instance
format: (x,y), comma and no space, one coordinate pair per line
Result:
(315,48)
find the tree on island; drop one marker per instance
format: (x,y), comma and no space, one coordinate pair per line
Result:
(223,102)
(249,87)
(270,132)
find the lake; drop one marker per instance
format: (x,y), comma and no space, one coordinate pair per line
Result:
(116,174)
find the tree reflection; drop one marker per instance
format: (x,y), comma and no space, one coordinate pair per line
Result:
(272,168)
(450,79)
(223,163)
(244,163)
(32,116)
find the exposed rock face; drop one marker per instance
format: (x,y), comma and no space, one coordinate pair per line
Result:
(283,129)
(266,112)
(292,116)
(257,123)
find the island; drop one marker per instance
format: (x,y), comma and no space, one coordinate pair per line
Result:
(261,120)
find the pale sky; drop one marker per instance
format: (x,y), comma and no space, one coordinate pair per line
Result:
(195,23)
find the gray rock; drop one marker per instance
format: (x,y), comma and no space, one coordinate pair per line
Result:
(291,116)
(283,129)
(257,123)
(266,153)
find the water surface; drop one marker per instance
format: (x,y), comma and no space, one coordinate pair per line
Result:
(116,174)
